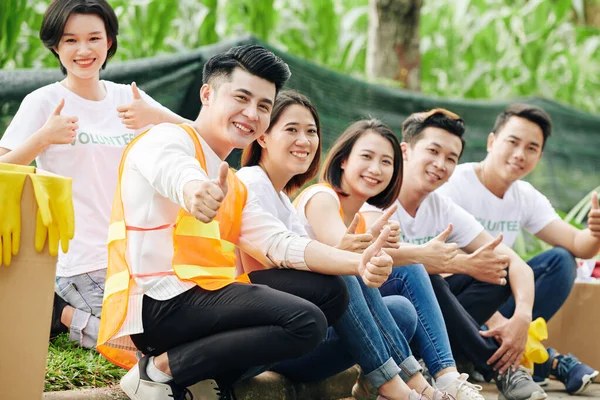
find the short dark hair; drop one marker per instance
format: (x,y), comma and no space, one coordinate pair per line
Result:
(251,154)
(59,11)
(341,149)
(415,124)
(531,113)
(254,59)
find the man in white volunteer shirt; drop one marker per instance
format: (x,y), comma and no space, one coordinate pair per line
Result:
(432,145)
(210,329)
(492,191)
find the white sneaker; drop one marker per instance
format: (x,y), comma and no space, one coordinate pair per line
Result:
(210,390)
(137,386)
(461,389)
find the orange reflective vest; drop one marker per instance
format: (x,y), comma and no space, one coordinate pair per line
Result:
(362,224)
(203,253)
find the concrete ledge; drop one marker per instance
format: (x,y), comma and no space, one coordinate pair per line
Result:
(266,386)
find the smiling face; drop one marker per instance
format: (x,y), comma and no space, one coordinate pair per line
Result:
(83,47)
(238,110)
(369,167)
(292,143)
(515,149)
(430,161)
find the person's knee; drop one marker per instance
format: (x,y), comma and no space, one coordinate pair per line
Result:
(339,297)
(438,283)
(417,271)
(395,284)
(309,326)
(565,261)
(404,314)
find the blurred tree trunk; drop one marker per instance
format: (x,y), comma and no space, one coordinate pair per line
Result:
(592,13)
(393,41)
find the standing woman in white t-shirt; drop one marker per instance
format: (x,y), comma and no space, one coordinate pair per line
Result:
(364,165)
(278,163)
(78,128)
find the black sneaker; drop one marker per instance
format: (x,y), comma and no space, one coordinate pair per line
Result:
(57,327)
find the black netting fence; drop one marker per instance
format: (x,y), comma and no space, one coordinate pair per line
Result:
(569,169)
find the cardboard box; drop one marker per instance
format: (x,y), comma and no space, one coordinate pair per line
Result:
(576,327)
(26,296)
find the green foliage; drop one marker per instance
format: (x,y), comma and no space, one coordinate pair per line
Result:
(470,48)
(505,49)
(72,367)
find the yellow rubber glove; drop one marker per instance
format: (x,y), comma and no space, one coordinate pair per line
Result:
(26,169)
(55,217)
(535,351)
(11,189)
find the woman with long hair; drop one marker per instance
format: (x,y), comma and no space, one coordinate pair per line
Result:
(364,165)
(281,161)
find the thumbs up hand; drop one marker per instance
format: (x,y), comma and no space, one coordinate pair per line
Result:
(393,240)
(203,198)
(437,254)
(488,266)
(376,265)
(58,129)
(353,242)
(137,114)
(594,217)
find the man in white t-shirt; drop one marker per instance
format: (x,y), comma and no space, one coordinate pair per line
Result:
(477,285)
(209,330)
(492,191)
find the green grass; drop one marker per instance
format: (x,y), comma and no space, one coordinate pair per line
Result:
(72,367)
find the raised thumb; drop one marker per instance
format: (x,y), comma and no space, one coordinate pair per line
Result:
(136,91)
(222,179)
(595,205)
(444,235)
(59,108)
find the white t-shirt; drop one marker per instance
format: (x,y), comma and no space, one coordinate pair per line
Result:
(433,216)
(277,204)
(92,160)
(155,173)
(523,206)
(302,201)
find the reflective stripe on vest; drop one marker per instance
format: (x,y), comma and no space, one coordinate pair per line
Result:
(362,224)
(202,253)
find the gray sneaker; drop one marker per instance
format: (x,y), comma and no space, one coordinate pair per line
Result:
(518,385)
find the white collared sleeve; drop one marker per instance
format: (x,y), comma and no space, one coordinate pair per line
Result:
(165,156)
(267,239)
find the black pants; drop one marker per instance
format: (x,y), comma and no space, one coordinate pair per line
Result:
(220,334)
(466,304)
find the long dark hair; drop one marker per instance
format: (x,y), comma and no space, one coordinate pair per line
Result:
(251,154)
(341,149)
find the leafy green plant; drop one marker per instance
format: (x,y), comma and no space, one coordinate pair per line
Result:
(491,49)
(501,49)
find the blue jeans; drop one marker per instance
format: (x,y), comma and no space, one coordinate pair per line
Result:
(554,272)
(83,292)
(431,339)
(374,333)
